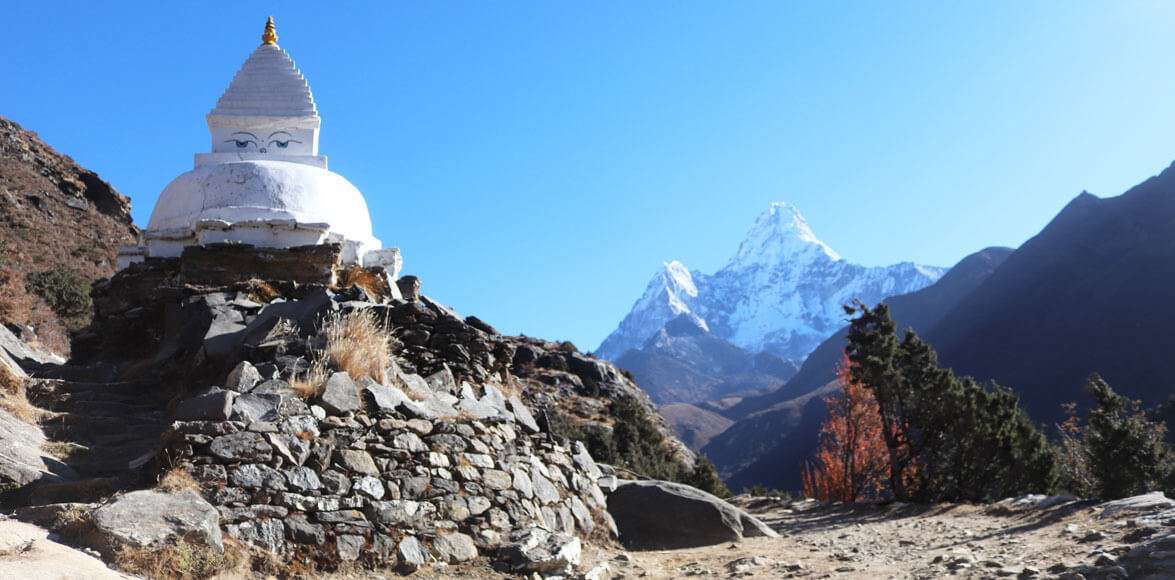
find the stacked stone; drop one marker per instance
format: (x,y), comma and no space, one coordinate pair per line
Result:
(396,474)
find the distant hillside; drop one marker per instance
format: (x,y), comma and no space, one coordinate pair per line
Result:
(1089,293)
(60,228)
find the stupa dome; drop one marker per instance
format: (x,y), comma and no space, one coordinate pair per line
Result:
(263,183)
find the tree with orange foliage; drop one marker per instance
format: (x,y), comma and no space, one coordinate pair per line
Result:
(853,461)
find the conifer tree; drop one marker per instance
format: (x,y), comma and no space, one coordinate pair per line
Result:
(1127,454)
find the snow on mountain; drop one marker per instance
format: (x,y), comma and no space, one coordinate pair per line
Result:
(782,292)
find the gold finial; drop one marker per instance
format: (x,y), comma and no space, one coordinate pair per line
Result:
(270,34)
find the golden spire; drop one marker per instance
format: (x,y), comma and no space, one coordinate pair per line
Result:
(270,34)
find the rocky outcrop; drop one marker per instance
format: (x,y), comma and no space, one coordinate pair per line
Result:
(150,518)
(54,217)
(660,515)
(22,461)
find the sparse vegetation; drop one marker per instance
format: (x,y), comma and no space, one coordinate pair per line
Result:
(634,443)
(180,560)
(13,398)
(66,291)
(1118,451)
(178,479)
(357,344)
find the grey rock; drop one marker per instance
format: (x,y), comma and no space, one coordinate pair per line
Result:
(383,399)
(243,377)
(1146,502)
(414,487)
(522,414)
(257,475)
(397,513)
(253,407)
(649,515)
(350,547)
(334,482)
(303,479)
(151,518)
(544,490)
(356,461)
(340,395)
(267,533)
(584,460)
(409,287)
(293,449)
(274,387)
(536,550)
(412,554)
(470,404)
(241,447)
(442,381)
(213,404)
(21,459)
(409,442)
(496,479)
(302,531)
(454,548)
(522,483)
(368,486)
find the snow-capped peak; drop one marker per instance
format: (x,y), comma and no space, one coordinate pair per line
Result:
(780,233)
(783,292)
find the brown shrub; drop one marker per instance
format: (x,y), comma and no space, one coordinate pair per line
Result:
(178,479)
(180,560)
(359,345)
(13,398)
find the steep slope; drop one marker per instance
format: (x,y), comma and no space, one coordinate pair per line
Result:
(1087,294)
(776,432)
(60,228)
(781,293)
(685,362)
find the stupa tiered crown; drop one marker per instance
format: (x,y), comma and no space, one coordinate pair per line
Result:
(263,182)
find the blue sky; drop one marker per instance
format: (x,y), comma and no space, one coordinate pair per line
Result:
(536,162)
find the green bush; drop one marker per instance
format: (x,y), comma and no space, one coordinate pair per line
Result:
(67,293)
(634,443)
(948,437)
(1125,448)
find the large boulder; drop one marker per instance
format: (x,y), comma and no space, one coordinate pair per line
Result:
(21,459)
(1147,502)
(148,518)
(650,516)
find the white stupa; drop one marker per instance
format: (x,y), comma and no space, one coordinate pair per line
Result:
(264,182)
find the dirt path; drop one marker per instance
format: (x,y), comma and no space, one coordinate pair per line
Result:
(902,542)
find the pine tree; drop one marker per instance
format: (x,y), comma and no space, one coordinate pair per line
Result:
(948,438)
(872,351)
(1126,451)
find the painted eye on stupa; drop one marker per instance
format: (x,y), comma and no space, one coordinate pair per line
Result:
(242,143)
(281,144)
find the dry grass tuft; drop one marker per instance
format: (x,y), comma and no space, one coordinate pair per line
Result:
(14,399)
(310,385)
(357,344)
(178,479)
(180,560)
